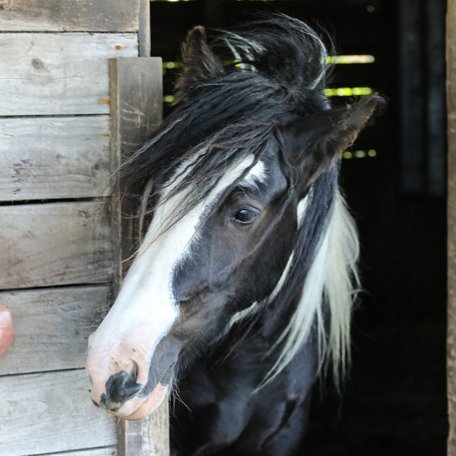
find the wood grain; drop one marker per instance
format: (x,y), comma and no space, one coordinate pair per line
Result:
(45,413)
(147,437)
(52,74)
(144,38)
(451,106)
(68,15)
(110,451)
(54,244)
(54,158)
(136,94)
(52,327)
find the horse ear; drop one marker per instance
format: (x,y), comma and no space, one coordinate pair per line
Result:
(316,143)
(199,62)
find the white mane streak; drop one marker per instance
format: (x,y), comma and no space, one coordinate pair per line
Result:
(333,279)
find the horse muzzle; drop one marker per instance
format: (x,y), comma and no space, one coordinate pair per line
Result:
(122,402)
(126,383)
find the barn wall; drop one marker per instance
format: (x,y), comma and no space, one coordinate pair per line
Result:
(58,236)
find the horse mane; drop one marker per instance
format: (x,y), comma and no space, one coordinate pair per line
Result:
(278,67)
(322,277)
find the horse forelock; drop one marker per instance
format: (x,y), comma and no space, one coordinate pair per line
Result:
(233,112)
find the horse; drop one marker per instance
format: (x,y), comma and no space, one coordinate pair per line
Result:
(241,290)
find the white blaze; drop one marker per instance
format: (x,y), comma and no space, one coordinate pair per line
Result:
(255,175)
(145,308)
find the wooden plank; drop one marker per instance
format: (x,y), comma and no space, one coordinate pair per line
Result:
(52,327)
(52,74)
(110,451)
(51,412)
(451,107)
(68,15)
(136,94)
(54,158)
(54,244)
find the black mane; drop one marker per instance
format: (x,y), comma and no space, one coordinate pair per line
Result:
(281,71)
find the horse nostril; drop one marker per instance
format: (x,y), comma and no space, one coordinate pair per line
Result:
(120,387)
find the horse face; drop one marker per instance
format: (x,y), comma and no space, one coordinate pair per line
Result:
(188,281)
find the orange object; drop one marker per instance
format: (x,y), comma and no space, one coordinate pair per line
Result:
(6,329)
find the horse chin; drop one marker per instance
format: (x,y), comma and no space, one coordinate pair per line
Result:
(139,407)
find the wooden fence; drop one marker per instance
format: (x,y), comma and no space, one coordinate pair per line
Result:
(75,96)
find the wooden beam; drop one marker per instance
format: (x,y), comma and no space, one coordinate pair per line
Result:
(54,157)
(451,107)
(44,245)
(136,95)
(136,106)
(69,16)
(58,73)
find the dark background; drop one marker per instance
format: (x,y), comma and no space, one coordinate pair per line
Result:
(394,402)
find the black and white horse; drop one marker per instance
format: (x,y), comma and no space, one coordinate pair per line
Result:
(242,287)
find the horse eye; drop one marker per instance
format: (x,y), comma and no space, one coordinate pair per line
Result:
(245,216)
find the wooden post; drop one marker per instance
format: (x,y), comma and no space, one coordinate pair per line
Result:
(136,109)
(451,106)
(144,28)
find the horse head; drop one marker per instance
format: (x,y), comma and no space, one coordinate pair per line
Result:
(246,214)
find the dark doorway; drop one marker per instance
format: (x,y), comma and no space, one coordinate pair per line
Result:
(394,401)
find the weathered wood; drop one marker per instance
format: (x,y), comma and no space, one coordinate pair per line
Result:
(68,15)
(46,413)
(54,244)
(43,245)
(52,327)
(136,95)
(52,74)
(136,106)
(111,451)
(54,158)
(144,29)
(147,437)
(451,106)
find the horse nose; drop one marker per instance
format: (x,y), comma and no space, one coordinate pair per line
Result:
(120,387)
